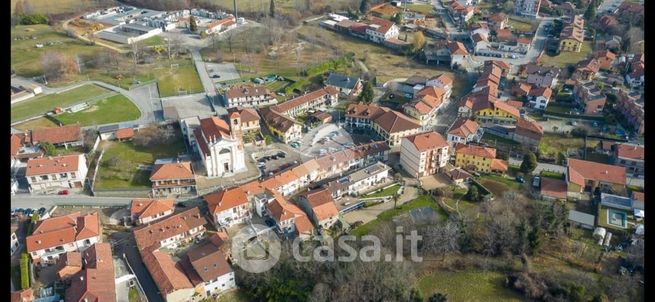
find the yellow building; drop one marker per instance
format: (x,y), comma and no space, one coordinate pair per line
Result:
(572,36)
(497,112)
(478,158)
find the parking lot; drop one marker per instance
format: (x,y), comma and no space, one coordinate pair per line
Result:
(222,72)
(275,160)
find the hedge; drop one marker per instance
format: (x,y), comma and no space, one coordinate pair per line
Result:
(24,271)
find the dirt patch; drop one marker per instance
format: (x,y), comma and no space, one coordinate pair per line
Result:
(498,189)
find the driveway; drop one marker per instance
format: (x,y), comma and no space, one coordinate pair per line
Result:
(371,213)
(124,244)
(207,83)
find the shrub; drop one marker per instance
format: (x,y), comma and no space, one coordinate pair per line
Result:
(24,271)
(33,19)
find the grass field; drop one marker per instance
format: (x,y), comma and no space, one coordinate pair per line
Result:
(390,191)
(41,122)
(184,77)
(152,41)
(551,144)
(419,202)
(233,296)
(424,9)
(59,6)
(44,103)
(567,58)
(468,286)
(126,174)
(520,25)
(113,109)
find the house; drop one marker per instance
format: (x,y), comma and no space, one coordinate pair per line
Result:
(249,119)
(619,212)
(289,219)
(145,210)
(15,243)
(552,189)
(494,112)
(249,96)
(460,13)
(423,154)
(464,131)
(21,150)
(523,44)
(528,8)
(540,75)
(221,145)
(528,132)
(327,96)
(458,53)
(631,12)
(320,117)
(360,181)
(96,281)
(320,207)
(379,30)
(583,220)
(57,235)
(498,21)
(629,156)
(229,207)
(173,284)
(24,295)
(478,158)
(384,10)
(172,178)
(586,70)
(54,173)
(635,77)
(609,24)
(586,176)
(605,59)
(505,36)
(170,231)
(67,136)
(68,264)
(444,82)
(208,270)
(424,108)
(348,86)
(480,43)
(412,85)
(124,134)
(572,36)
(589,97)
(538,97)
(283,127)
(521,89)
(391,125)
(631,106)
(458,176)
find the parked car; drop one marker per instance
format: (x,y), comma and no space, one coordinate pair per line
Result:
(520,179)
(281,155)
(63,192)
(536,181)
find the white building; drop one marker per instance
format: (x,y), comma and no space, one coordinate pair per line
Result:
(128,33)
(249,96)
(360,181)
(55,236)
(229,207)
(464,131)
(320,207)
(55,173)
(528,7)
(207,266)
(444,82)
(220,145)
(423,154)
(380,29)
(539,97)
(172,230)
(144,210)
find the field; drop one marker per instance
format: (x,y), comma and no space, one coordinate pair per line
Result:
(126,174)
(113,109)
(551,144)
(44,103)
(185,77)
(419,202)
(496,186)
(567,58)
(467,285)
(60,6)
(41,122)
(424,9)
(520,25)
(390,191)
(281,6)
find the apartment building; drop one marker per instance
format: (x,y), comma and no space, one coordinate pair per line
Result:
(360,181)
(51,174)
(478,158)
(589,97)
(249,96)
(583,177)
(322,98)
(631,157)
(424,154)
(175,178)
(171,231)
(146,210)
(464,131)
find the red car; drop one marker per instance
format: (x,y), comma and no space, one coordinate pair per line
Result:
(64,192)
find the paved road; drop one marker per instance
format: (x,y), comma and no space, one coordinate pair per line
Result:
(38,201)
(609,5)
(202,71)
(125,245)
(562,169)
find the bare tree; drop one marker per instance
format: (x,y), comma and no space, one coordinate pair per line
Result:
(56,65)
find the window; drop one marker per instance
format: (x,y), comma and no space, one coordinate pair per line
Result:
(63,175)
(73,174)
(44,177)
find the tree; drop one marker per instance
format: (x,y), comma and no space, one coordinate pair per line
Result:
(203,34)
(48,149)
(19,10)
(590,13)
(56,65)
(508,7)
(561,158)
(364,6)
(529,163)
(438,297)
(271,11)
(534,239)
(366,95)
(419,40)
(27,8)
(395,199)
(193,26)
(397,18)
(415,295)
(89,139)
(472,194)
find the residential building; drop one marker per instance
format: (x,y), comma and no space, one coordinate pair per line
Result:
(635,77)
(207,269)
(478,158)
(585,176)
(528,132)
(586,70)
(384,10)
(51,174)
(527,7)
(464,131)
(57,235)
(173,284)
(320,207)
(96,281)
(289,220)
(496,112)
(538,75)
(424,108)
(458,176)
(460,13)
(631,157)
(67,136)
(572,36)
(605,59)
(15,243)
(498,21)
(171,231)
(589,98)
(21,149)
(552,189)
(68,265)
(444,82)
(173,178)
(380,30)
(249,119)
(146,210)
(458,53)
(249,96)
(424,154)
(281,126)
(348,86)
(521,89)
(360,181)
(229,207)
(325,97)
(619,212)
(538,97)
(631,106)
(391,125)
(221,145)
(24,295)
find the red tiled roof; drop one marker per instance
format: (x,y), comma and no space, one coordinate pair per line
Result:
(57,135)
(225,200)
(145,207)
(499,165)
(639,196)
(68,264)
(98,282)
(443,78)
(630,151)
(16,142)
(247,115)
(295,102)
(322,204)
(581,170)
(248,91)
(153,233)
(457,48)
(464,127)
(50,165)
(25,295)
(541,91)
(60,230)
(124,133)
(384,25)
(168,171)
(427,141)
(167,274)
(555,188)
(208,261)
(515,104)
(473,150)
(393,122)
(504,35)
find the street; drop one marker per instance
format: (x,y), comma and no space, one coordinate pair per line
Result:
(123,244)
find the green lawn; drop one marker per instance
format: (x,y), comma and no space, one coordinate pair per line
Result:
(41,122)
(114,109)
(44,103)
(277,85)
(133,295)
(419,202)
(510,182)
(386,192)
(468,286)
(551,174)
(557,108)
(233,296)
(598,157)
(152,41)
(126,174)
(492,139)
(551,144)
(568,58)
(184,77)
(520,25)
(424,9)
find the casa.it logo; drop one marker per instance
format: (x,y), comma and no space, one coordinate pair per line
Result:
(256,248)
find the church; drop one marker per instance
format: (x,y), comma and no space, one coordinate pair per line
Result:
(220,145)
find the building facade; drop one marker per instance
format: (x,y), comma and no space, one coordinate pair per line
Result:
(55,173)
(424,154)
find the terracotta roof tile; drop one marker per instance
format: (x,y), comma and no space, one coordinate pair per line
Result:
(153,233)
(322,204)
(554,188)
(167,274)
(473,150)
(98,283)
(168,171)
(457,48)
(25,295)
(630,151)
(295,102)
(581,170)
(499,165)
(56,231)
(225,200)
(209,262)
(57,135)
(393,122)
(464,127)
(51,165)
(145,207)
(427,141)
(125,133)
